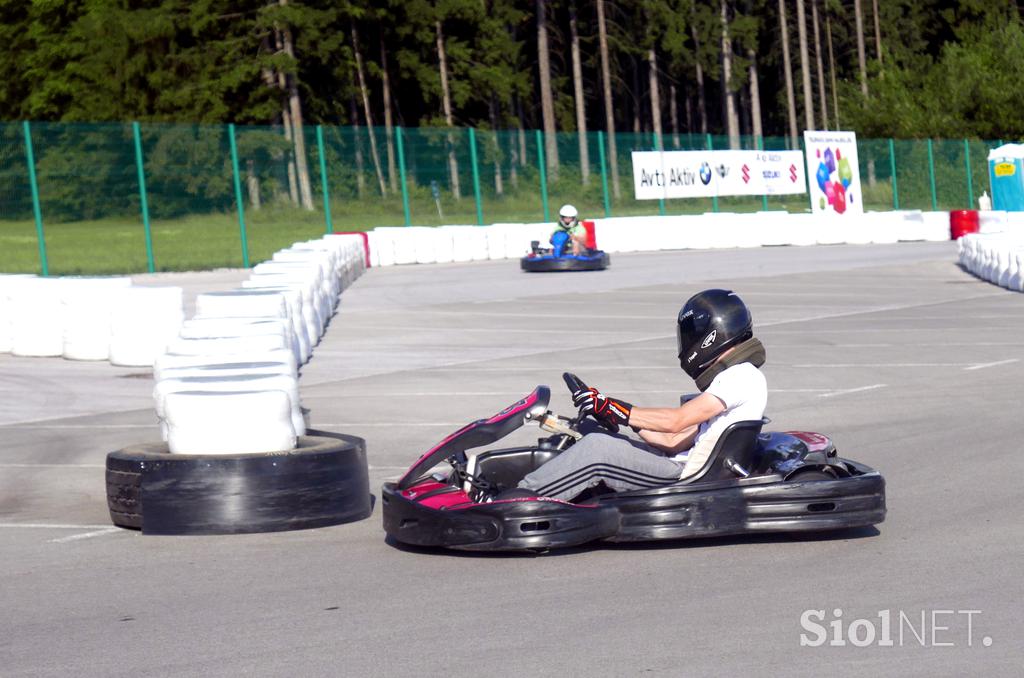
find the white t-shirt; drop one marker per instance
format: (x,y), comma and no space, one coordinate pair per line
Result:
(744,391)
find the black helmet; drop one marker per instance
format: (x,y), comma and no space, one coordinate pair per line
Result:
(709,323)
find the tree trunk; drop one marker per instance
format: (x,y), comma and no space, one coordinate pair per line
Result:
(365,94)
(522,132)
(389,127)
(788,68)
(252,185)
(446,100)
(805,65)
(295,106)
(702,107)
(652,74)
(637,103)
(547,102)
(577,85)
(832,67)
(360,180)
(609,113)
(878,32)
(731,118)
(499,187)
(286,122)
(270,78)
(821,68)
(673,112)
(861,58)
(755,98)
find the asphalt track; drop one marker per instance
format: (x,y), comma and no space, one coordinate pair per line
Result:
(910,364)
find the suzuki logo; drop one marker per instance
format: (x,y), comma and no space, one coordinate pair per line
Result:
(792,173)
(746,174)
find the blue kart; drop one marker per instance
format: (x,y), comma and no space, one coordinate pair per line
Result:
(556,258)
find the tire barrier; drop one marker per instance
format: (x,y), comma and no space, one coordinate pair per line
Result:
(323,481)
(143,321)
(37,317)
(392,245)
(7,283)
(88,306)
(995,257)
(228,422)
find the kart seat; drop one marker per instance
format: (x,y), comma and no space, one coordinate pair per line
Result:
(734,450)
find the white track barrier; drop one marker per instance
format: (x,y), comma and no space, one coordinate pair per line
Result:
(229,369)
(174,360)
(37,317)
(995,257)
(7,282)
(236,422)
(220,384)
(142,322)
(213,328)
(88,311)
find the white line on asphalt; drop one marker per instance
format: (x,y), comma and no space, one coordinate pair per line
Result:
(982,366)
(91,466)
(506,330)
(55,526)
(856,365)
(85,535)
(851,390)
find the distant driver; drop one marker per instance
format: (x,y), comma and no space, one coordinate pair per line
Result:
(569,229)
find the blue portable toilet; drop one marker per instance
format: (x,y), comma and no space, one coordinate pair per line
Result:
(1006,175)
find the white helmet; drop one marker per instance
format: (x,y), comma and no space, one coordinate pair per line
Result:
(567,212)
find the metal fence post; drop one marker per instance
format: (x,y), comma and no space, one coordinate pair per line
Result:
(401,173)
(970,177)
(238,194)
(142,195)
(604,174)
(714,198)
(895,184)
(543,175)
(764,198)
(328,223)
(931,175)
(30,157)
(476,177)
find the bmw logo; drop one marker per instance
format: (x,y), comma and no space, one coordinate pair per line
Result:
(705,173)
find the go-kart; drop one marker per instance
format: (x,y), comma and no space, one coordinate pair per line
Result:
(555,258)
(752,482)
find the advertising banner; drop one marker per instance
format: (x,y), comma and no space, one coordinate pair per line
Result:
(704,174)
(835,174)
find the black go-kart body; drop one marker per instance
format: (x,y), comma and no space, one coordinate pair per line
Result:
(553,260)
(752,483)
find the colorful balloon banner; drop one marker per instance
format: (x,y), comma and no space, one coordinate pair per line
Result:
(661,175)
(835,174)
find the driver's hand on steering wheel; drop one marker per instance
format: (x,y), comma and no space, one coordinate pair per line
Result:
(609,412)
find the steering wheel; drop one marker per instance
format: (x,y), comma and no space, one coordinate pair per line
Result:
(574,384)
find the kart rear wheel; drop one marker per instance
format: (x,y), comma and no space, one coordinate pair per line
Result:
(812,474)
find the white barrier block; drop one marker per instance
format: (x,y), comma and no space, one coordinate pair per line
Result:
(231,369)
(241,382)
(37,317)
(6,308)
(229,345)
(172,360)
(242,303)
(238,422)
(142,321)
(88,308)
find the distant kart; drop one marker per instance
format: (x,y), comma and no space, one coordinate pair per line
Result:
(752,483)
(546,260)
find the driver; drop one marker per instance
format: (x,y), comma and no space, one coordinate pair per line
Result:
(717,348)
(569,223)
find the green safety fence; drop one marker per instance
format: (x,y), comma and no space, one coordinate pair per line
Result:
(80,198)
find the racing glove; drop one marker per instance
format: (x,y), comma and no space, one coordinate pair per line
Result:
(609,412)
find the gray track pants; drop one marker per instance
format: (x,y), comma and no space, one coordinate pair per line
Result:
(622,463)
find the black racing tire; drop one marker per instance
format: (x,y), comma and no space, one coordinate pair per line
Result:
(324,481)
(811,474)
(563,264)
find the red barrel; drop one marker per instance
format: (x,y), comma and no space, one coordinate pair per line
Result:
(962,222)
